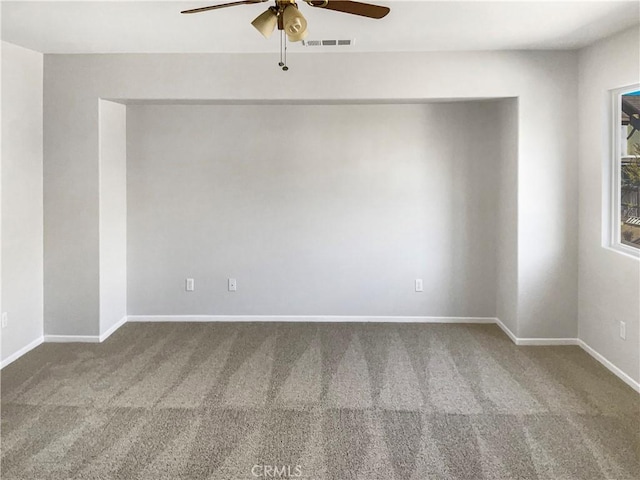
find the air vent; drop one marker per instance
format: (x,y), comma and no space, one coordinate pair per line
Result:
(328,43)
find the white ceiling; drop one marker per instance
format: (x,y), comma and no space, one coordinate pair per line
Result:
(152,26)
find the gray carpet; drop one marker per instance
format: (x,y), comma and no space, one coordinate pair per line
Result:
(315,401)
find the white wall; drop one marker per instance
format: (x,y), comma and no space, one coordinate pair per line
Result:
(22,250)
(609,281)
(544,83)
(335,214)
(507,223)
(113,214)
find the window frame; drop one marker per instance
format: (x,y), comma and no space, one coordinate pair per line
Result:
(614,170)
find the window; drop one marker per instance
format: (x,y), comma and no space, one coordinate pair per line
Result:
(626,171)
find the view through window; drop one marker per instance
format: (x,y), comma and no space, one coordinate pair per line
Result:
(629,164)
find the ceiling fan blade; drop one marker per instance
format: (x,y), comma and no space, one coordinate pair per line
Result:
(223,5)
(354,8)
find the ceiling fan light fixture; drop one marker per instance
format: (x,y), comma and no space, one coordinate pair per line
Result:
(295,25)
(299,37)
(266,22)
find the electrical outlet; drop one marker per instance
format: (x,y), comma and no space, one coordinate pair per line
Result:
(623,330)
(5,319)
(233,286)
(190,285)
(418,285)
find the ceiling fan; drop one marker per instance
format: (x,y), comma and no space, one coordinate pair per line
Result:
(286,16)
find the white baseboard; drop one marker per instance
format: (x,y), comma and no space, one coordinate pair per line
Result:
(615,370)
(507,330)
(546,341)
(535,341)
(72,339)
(307,318)
(27,348)
(111,330)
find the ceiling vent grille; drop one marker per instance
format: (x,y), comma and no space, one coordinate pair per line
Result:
(328,43)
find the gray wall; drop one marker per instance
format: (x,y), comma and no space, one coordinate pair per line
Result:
(609,280)
(335,214)
(544,82)
(113,214)
(507,227)
(548,205)
(22,251)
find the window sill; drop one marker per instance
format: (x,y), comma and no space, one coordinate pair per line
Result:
(624,250)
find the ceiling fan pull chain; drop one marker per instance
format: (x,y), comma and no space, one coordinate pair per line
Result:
(285,68)
(281,63)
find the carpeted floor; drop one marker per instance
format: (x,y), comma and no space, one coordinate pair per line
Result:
(318,402)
